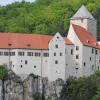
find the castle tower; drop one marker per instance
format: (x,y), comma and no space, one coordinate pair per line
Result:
(84,18)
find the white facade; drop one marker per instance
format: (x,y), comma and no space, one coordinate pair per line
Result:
(61,59)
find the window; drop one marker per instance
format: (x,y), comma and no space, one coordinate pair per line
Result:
(9,53)
(21,66)
(13,53)
(96,52)
(56,46)
(92,67)
(81,20)
(77,47)
(29,53)
(65,51)
(6,53)
(56,62)
(84,64)
(77,56)
(46,54)
(60,54)
(37,54)
(26,62)
(1,53)
(34,66)
(76,68)
(54,54)
(20,53)
(90,58)
(71,51)
(92,50)
(57,37)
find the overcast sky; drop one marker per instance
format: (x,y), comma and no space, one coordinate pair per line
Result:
(4,2)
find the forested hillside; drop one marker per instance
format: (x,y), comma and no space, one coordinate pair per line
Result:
(44,16)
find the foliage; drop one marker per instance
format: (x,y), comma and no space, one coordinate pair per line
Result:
(3,72)
(37,96)
(83,88)
(43,16)
(97,96)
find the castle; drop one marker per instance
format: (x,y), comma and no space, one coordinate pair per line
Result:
(77,54)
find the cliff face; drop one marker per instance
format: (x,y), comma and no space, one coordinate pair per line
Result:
(32,88)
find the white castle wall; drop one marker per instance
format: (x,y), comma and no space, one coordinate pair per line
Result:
(97,60)
(70,67)
(75,40)
(57,62)
(89,60)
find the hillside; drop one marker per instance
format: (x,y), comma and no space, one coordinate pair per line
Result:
(43,16)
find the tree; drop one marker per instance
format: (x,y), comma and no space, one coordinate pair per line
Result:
(78,89)
(97,96)
(37,96)
(44,16)
(3,76)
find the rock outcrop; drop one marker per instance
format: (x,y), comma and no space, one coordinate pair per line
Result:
(31,88)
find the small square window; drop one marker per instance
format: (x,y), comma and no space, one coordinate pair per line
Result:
(57,37)
(21,66)
(25,61)
(92,50)
(56,46)
(76,68)
(81,20)
(34,66)
(96,52)
(90,58)
(92,67)
(77,47)
(71,51)
(60,54)
(54,54)
(84,64)
(77,56)
(56,62)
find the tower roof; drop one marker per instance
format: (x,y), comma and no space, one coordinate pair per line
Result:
(82,13)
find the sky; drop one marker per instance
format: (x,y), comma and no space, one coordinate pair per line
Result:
(5,2)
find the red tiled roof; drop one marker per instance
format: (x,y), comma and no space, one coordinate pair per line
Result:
(26,41)
(67,41)
(85,37)
(33,41)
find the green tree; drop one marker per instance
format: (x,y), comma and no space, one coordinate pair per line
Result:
(44,16)
(97,96)
(79,89)
(3,76)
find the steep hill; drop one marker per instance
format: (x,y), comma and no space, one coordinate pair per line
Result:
(43,16)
